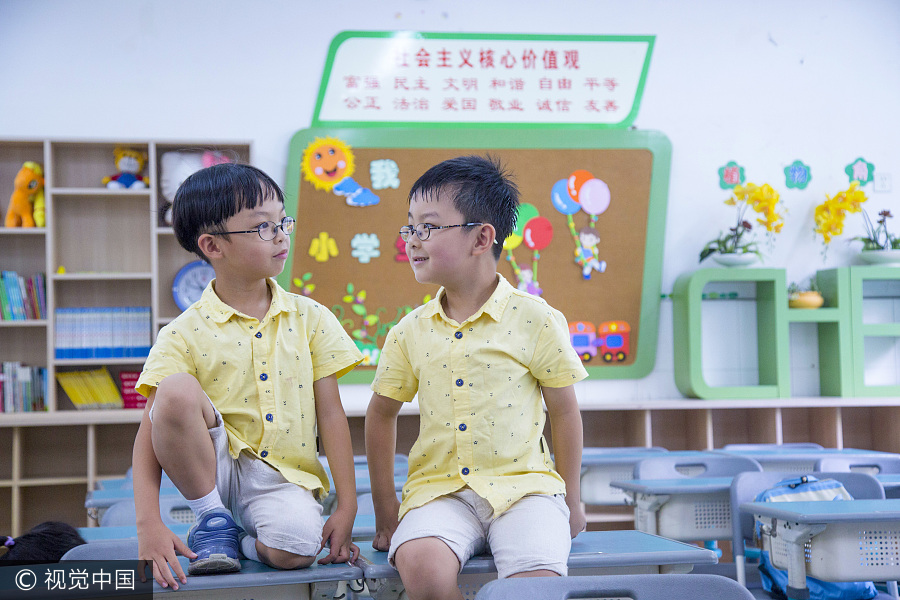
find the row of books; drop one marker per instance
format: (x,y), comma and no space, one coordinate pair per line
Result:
(22,388)
(103,332)
(94,389)
(22,298)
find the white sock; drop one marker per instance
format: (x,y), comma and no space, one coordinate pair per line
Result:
(248,548)
(211,501)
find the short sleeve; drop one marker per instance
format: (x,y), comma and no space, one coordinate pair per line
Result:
(555,362)
(169,355)
(395,377)
(332,351)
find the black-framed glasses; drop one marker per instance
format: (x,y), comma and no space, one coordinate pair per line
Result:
(423,230)
(268,230)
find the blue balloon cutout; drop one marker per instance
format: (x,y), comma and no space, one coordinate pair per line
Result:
(561,199)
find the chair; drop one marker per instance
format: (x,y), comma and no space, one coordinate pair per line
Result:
(602,465)
(800,445)
(706,465)
(172,509)
(104,550)
(746,486)
(874,465)
(637,587)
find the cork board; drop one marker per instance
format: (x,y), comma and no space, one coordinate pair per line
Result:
(347,253)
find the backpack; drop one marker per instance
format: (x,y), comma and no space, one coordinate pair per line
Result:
(775,580)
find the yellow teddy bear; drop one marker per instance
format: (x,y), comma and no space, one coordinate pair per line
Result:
(130,163)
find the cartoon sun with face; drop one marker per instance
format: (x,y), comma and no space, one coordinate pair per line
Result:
(326,161)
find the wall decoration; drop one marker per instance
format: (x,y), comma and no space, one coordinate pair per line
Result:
(730,175)
(328,164)
(613,184)
(861,171)
(797,175)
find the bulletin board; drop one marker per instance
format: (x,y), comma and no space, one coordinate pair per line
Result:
(348,189)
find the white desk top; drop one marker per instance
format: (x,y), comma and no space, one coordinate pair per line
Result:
(828,512)
(687,485)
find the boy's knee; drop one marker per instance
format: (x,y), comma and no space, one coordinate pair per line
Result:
(281,559)
(175,396)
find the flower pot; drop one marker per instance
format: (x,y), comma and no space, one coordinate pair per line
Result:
(880,257)
(734,260)
(806,300)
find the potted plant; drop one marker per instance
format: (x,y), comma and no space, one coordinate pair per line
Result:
(807,296)
(737,246)
(879,244)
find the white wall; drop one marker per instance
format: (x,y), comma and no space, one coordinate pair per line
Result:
(763,83)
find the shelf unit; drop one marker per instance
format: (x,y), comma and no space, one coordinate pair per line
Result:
(100,247)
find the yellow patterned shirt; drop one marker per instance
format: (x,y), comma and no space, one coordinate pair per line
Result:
(259,374)
(479,387)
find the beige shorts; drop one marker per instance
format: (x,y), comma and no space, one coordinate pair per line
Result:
(280,514)
(531,535)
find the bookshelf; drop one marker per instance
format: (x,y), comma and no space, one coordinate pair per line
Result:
(100,249)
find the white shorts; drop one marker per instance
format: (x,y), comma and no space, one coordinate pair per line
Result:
(531,535)
(280,514)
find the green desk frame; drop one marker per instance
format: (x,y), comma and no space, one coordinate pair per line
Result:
(841,332)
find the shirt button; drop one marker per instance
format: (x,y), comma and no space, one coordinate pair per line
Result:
(465,471)
(462,426)
(269,417)
(264,453)
(259,334)
(458,335)
(459,382)
(263,377)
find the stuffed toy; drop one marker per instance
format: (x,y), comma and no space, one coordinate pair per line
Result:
(130,163)
(176,166)
(26,204)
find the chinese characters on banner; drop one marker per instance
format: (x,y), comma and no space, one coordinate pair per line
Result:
(413,79)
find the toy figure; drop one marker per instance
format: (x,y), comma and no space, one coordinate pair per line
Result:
(26,204)
(130,163)
(586,254)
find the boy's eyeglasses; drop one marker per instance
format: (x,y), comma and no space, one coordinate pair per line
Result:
(268,230)
(423,230)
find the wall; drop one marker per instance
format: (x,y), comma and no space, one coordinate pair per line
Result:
(762,83)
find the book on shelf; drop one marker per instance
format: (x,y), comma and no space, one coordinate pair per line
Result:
(22,388)
(92,389)
(130,398)
(103,332)
(22,298)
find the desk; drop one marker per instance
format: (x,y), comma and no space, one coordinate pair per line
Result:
(593,553)
(851,540)
(799,460)
(601,466)
(689,509)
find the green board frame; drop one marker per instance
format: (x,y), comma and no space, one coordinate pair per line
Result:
(524,137)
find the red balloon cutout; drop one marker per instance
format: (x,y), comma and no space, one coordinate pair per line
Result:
(538,233)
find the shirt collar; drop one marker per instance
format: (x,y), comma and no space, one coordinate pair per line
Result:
(493,308)
(219,312)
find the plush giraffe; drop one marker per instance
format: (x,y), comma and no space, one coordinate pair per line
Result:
(26,204)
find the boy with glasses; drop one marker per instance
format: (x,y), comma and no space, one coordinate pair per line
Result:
(481,356)
(237,387)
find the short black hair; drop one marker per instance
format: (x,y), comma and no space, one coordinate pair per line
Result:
(46,542)
(209,197)
(482,190)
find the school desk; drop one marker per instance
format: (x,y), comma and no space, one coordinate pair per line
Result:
(255,580)
(593,553)
(689,508)
(799,460)
(849,540)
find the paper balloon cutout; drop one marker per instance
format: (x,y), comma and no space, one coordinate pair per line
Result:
(594,196)
(512,242)
(538,233)
(561,199)
(575,181)
(525,213)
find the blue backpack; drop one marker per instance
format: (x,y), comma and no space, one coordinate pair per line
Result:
(775,581)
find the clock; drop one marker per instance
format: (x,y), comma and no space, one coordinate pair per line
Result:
(190,282)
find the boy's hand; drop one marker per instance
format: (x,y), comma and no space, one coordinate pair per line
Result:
(386,522)
(158,544)
(577,520)
(336,535)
